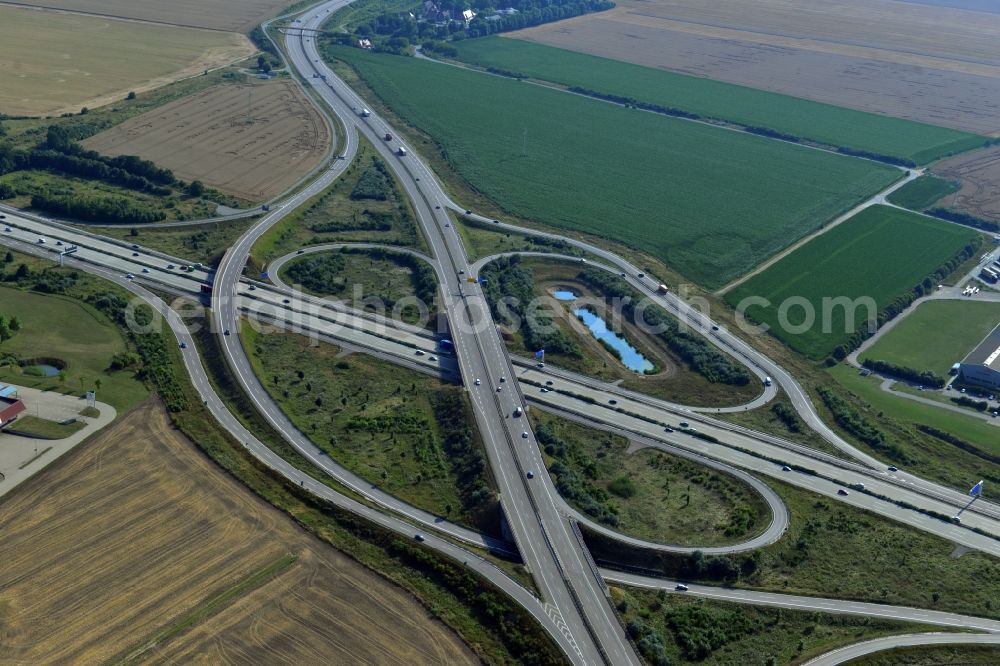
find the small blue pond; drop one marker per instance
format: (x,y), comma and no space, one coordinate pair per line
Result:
(43,370)
(564,295)
(632,359)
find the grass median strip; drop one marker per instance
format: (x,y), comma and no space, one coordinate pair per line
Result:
(31,426)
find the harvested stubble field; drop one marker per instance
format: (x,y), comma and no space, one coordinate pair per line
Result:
(979,173)
(252,140)
(709,202)
(938,65)
(54,62)
(136,530)
(231,15)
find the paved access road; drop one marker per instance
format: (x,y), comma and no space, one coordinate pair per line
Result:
(566,577)
(485,568)
(758,362)
(400,343)
(857,650)
(573,591)
(232,424)
(636,414)
(804,603)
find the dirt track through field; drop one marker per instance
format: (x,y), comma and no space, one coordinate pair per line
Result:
(252,140)
(932,64)
(136,529)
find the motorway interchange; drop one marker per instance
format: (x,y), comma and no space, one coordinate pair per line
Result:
(574,605)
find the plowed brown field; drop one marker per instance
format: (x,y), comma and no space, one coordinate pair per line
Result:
(933,64)
(979,172)
(136,529)
(252,140)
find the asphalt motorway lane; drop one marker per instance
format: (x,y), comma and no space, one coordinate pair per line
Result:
(851,652)
(310,315)
(499,578)
(573,591)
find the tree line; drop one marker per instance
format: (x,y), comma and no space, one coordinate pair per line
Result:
(966,219)
(509,288)
(61,154)
(752,129)
(848,418)
(575,473)
(465,454)
(151,361)
(394,32)
(46,281)
(530,14)
(925,377)
(113,210)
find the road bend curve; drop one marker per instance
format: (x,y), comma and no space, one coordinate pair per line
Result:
(400,345)
(805,603)
(768,392)
(769,535)
(851,652)
(737,347)
(517,592)
(274,268)
(574,593)
(260,451)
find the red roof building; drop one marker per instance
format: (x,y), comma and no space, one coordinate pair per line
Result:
(9,409)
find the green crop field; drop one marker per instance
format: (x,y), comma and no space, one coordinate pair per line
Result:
(814,121)
(709,202)
(923,192)
(937,334)
(880,253)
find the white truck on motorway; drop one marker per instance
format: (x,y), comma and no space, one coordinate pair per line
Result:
(401,152)
(365,113)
